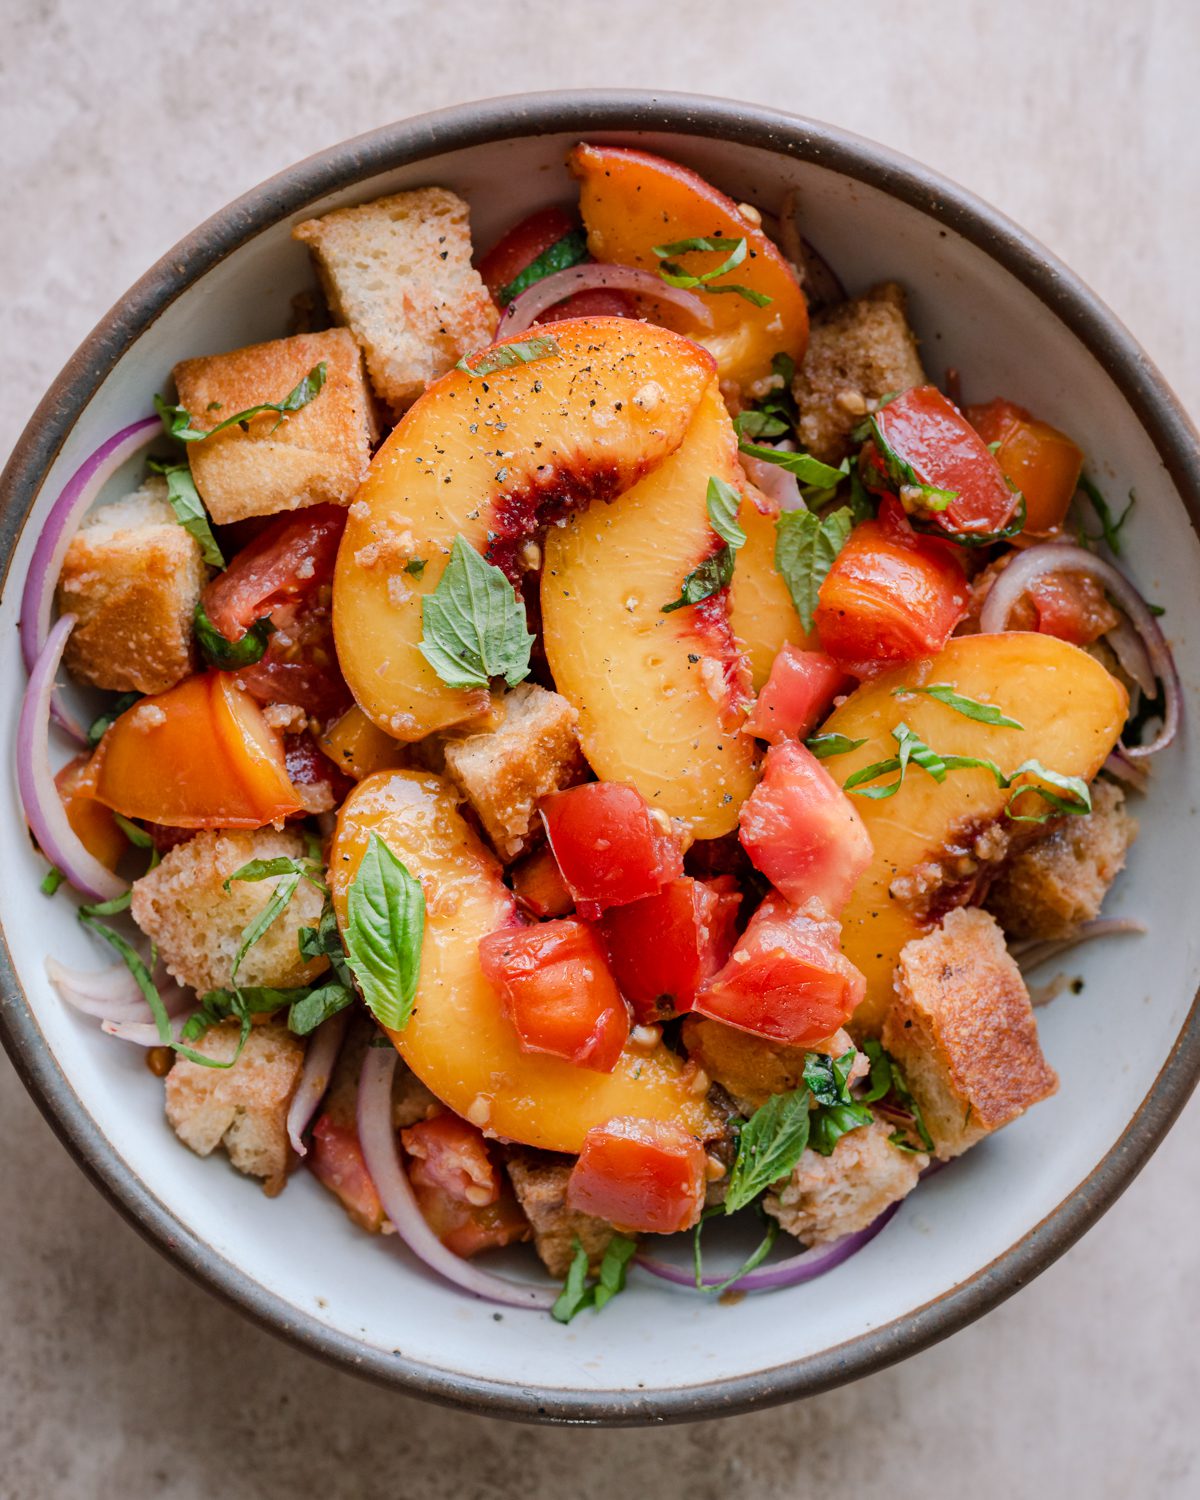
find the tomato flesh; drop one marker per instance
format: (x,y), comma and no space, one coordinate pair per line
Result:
(644,1176)
(1042,462)
(335,1159)
(609,847)
(557,990)
(522,245)
(787,978)
(796,696)
(662,949)
(539,887)
(1072,607)
(463,1196)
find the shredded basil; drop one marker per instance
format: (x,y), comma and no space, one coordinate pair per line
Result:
(474,624)
(109,717)
(178,422)
(560,256)
(825,745)
(810,471)
(970,708)
(184,499)
(219,651)
(138,837)
(806,546)
(282,864)
(578,1294)
(1110,526)
(914,491)
(522,353)
(751,1263)
(1076,799)
(51,881)
(385,930)
(735,252)
(310,1008)
(886,1078)
(415,566)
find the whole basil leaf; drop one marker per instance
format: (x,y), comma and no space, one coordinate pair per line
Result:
(805,548)
(385,930)
(474,624)
(771,1142)
(184,499)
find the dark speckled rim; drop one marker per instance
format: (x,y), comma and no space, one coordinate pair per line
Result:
(579,114)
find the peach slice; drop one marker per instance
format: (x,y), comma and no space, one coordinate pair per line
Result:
(660,696)
(491,457)
(458,1041)
(631,201)
(926,836)
(761,611)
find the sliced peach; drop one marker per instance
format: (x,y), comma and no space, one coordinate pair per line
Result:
(761,611)
(657,694)
(631,202)
(357,747)
(458,1041)
(925,835)
(490,458)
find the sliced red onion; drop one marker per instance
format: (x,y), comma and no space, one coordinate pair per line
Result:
(323,1048)
(1130,651)
(78,495)
(1134,773)
(1052,557)
(44,809)
(524,310)
(781,487)
(114,987)
(806,1266)
(378,1140)
(1032,954)
(145,1033)
(820,282)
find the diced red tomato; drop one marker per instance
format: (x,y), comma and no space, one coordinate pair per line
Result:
(1073,607)
(92,823)
(796,696)
(463,1196)
(595,302)
(557,990)
(889,598)
(787,979)
(522,245)
(802,831)
(609,846)
(1042,462)
(662,949)
(931,436)
(644,1176)
(318,782)
(539,886)
(335,1159)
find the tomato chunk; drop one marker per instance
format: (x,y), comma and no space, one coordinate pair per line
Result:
(1073,607)
(889,598)
(609,846)
(464,1197)
(92,823)
(539,886)
(662,949)
(335,1159)
(644,1176)
(787,978)
(558,992)
(1042,462)
(802,831)
(796,696)
(521,246)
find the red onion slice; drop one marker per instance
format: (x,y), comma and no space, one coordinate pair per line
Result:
(323,1048)
(145,1033)
(1053,557)
(378,1140)
(1132,772)
(114,987)
(43,806)
(1130,650)
(524,310)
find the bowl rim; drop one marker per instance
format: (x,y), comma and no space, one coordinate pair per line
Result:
(410,141)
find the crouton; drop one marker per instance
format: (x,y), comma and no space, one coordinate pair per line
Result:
(827,1197)
(398,272)
(1047,889)
(962,1029)
(532,751)
(244,1108)
(318,454)
(857,354)
(411,1100)
(540,1180)
(131,577)
(751,1068)
(183,907)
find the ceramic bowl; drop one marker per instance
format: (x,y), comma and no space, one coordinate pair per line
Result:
(984,298)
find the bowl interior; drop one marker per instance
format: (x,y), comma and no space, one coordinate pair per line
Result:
(364,1298)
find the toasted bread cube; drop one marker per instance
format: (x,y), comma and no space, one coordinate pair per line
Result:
(132,576)
(540,1180)
(398,272)
(318,454)
(1049,888)
(411,1100)
(532,751)
(243,1108)
(857,353)
(962,1029)
(198,925)
(827,1197)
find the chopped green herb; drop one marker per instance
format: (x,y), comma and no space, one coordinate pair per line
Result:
(105,721)
(385,930)
(474,624)
(113,907)
(735,251)
(576,1294)
(522,353)
(1076,798)
(751,1263)
(184,499)
(219,651)
(282,864)
(137,836)
(971,708)
(325,941)
(723,503)
(828,1077)
(825,745)
(770,1144)
(613,1269)
(832,1121)
(713,575)
(879,1083)
(1110,526)
(914,749)
(863,505)
(415,566)
(178,422)
(756,423)
(807,469)
(805,548)
(311,1007)
(886,1078)
(837,1112)
(561,256)
(51,881)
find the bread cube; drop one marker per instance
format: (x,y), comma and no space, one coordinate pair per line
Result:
(827,1197)
(398,273)
(318,454)
(540,1180)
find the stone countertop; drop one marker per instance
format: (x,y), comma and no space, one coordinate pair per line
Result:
(121,127)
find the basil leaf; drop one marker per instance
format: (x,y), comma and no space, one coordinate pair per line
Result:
(613,1270)
(1076,801)
(828,1077)
(385,929)
(109,717)
(832,1121)
(219,651)
(805,548)
(675,275)
(863,506)
(111,908)
(138,837)
(282,864)
(325,941)
(1110,527)
(415,566)
(523,353)
(474,624)
(178,422)
(754,423)
(560,256)
(752,1261)
(902,1092)
(576,1294)
(184,499)
(723,503)
(970,708)
(714,574)
(915,750)
(257,999)
(314,1006)
(772,1141)
(51,881)
(808,470)
(879,1083)
(275,907)
(825,745)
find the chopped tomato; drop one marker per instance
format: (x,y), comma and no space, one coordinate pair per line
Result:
(889,598)
(662,949)
(644,1176)
(609,846)
(802,831)
(595,302)
(1042,462)
(557,990)
(539,886)
(319,785)
(522,245)
(787,978)
(92,823)
(939,446)
(464,1198)
(335,1159)
(1073,607)
(796,696)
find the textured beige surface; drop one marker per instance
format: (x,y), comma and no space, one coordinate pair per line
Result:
(121,126)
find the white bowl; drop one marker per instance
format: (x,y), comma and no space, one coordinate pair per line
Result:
(984,298)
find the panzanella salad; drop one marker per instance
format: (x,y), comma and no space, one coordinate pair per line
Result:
(595,733)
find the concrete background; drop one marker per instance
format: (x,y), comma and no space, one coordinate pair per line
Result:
(122,125)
